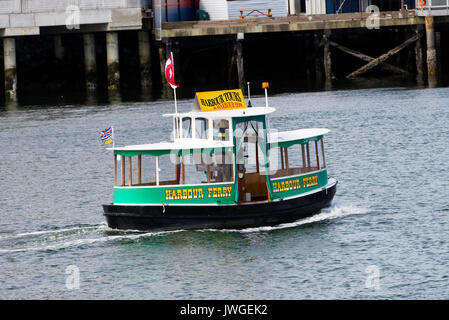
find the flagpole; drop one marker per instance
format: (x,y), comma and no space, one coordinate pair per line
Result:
(113,138)
(176,103)
(174,88)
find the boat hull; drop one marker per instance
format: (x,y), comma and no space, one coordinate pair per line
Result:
(185,217)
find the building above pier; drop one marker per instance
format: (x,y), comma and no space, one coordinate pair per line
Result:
(32,17)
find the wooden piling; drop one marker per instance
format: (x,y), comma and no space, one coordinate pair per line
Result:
(327,62)
(9,56)
(145,59)
(318,63)
(419,57)
(164,54)
(240,66)
(431,52)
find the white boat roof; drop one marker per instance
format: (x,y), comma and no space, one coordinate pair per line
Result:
(301,134)
(234,113)
(184,144)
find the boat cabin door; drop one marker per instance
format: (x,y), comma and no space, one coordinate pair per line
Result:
(250,141)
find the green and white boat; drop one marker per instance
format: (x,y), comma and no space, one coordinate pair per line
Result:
(223,168)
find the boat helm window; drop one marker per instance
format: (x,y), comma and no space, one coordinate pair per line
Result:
(187,127)
(201,128)
(221,130)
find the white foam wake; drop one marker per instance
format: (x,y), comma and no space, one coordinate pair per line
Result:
(334,212)
(55,231)
(87,241)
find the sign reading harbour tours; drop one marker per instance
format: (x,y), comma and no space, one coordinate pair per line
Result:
(220,100)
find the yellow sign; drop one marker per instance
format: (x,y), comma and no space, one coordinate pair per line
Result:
(221,100)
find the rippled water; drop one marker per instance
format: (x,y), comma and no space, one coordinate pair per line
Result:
(387,147)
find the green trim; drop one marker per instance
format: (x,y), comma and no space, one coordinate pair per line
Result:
(287,144)
(180,152)
(263,146)
(298,184)
(214,194)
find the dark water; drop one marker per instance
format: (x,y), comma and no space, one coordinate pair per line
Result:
(386,235)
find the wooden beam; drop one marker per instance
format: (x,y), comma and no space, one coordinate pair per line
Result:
(130,172)
(183,169)
(322,151)
(123,170)
(303,152)
(282,158)
(308,155)
(364,57)
(139,169)
(115,170)
(257,157)
(383,57)
(327,61)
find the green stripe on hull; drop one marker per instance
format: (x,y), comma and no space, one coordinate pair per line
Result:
(295,185)
(209,194)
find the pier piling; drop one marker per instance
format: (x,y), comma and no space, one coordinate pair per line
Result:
(327,62)
(90,63)
(164,54)
(58,47)
(10,67)
(240,66)
(431,52)
(112,52)
(145,60)
(419,58)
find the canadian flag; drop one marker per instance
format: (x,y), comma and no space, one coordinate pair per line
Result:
(170,72)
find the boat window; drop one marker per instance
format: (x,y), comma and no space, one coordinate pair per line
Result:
(200,168)
(201,128)
(296,159)
(221,130)
(135,171)
(187,127)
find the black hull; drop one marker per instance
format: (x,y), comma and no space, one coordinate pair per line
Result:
(164,218)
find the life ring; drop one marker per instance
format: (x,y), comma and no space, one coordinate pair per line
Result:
(422,3)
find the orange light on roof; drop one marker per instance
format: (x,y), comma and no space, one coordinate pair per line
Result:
(265,85)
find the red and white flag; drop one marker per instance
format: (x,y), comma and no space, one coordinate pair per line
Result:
(170,72)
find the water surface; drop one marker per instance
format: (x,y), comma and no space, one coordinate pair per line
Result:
(387,147)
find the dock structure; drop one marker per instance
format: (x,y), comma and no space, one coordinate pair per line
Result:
(21,18)
(322,26)
(408,39)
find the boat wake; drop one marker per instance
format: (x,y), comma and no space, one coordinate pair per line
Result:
(83,235)
(335,211)
(74,236)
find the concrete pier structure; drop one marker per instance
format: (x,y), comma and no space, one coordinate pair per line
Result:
(90,62)
(10,67)
(145,60)
(112,52)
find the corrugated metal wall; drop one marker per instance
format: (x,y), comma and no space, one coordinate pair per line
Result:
(279,7)
(315,6)
(217,9)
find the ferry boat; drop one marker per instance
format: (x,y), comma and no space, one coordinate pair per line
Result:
(223,169)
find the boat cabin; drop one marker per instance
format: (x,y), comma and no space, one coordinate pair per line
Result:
(221,153)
